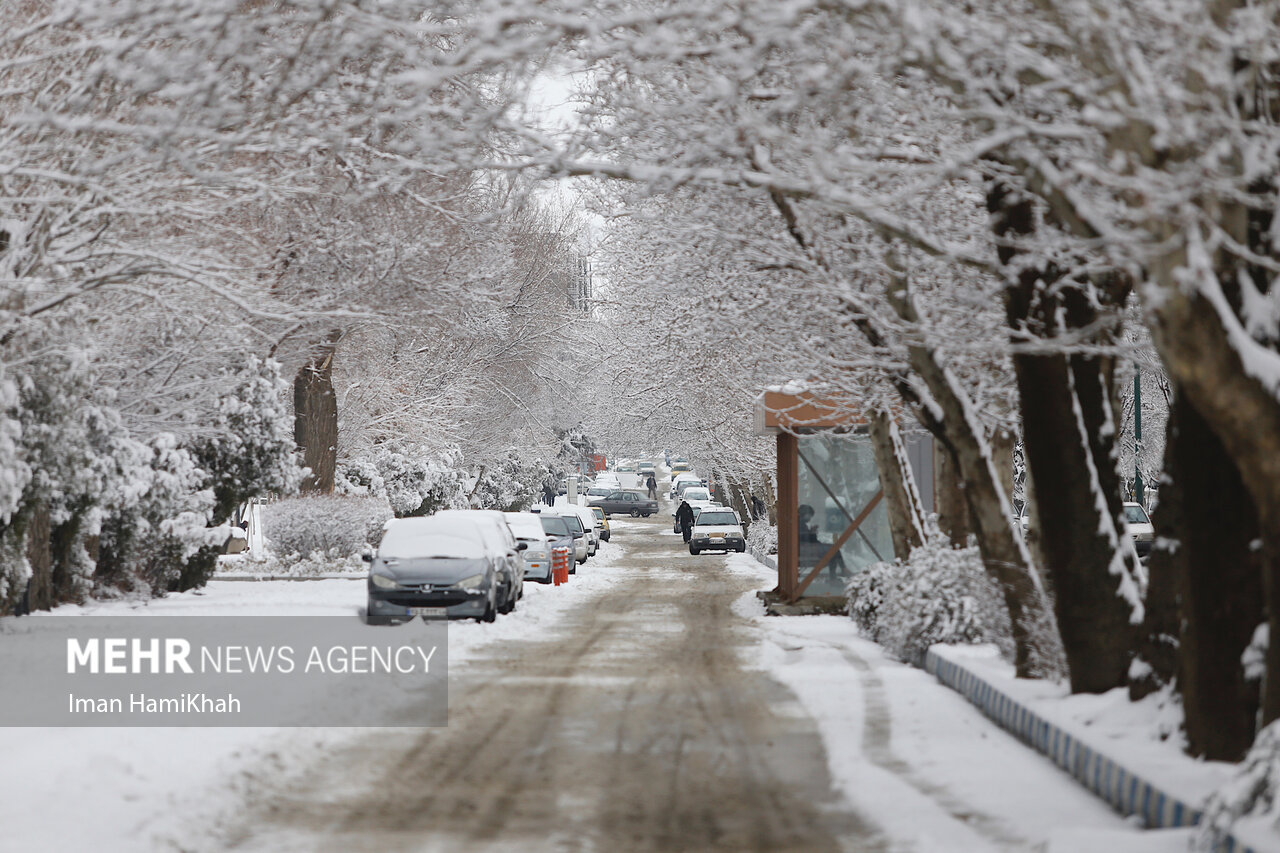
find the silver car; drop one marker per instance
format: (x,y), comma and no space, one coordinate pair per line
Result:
(527,528)
(437,568)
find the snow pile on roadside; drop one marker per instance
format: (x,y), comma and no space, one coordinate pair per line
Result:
(915,756)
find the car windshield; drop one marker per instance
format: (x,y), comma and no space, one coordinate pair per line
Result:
(575,524)
(710,517)
(554,525)
(697,495)
(597,512)
(1136,515)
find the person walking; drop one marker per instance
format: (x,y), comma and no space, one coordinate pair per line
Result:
(684,518)
(653,487)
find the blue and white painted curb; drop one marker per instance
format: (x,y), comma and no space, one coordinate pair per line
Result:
(1126,791)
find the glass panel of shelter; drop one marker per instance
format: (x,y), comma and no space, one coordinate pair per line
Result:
(837,478)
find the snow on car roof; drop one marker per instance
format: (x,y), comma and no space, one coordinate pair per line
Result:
(525,525)
(412,538)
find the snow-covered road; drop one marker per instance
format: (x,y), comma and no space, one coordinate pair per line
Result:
(649,705)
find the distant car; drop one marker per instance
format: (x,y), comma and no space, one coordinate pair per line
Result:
(688,481)
(527,528)
(679,464)
(602,523)
(600,491)
(439,567)
(646,468)
(717,529)
(697,496)
(626,503)
(1140,527)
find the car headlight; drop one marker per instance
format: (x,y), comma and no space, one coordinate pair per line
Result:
(470,584)
(382,581)
(536,556)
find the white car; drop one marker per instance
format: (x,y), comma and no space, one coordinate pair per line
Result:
(697,496)
(717,529)
(1140,527)
(687,477)
(527,528)
(588,519)
(600,492)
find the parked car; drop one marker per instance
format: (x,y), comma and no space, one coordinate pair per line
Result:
(493,523)
(527,528)
(1140,527)
(602,523)
(644,469)
(697,496)
(558,533)
(684,481)
(717,529)
(588,520)
(680,464)
(574,523)
(440,568)
(627,503)
(601,491)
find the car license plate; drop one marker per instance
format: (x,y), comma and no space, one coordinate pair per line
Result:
(717,535)
(429,611)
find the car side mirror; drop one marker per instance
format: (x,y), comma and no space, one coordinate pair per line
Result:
(522,546)
(366,555)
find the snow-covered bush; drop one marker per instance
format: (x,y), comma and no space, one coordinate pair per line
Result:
(939,595)
(248,450)
(154,536)
(1254,792)
(323,526)
(413,483)
(510,485)
(762,539)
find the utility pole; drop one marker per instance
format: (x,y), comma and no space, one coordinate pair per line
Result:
(1137,436)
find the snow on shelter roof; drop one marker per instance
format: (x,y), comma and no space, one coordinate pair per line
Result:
(789,409)
(410,538)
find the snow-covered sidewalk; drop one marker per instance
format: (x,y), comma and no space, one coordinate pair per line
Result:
(918,757)
(132,789)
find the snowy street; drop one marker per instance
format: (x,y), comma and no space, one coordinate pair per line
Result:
(649,705)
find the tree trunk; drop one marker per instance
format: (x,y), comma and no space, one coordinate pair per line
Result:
(1201,356)
(1158,647)
(64,545)
(1210,514)
(40,594)
(952,421)
(901,497)
(1066,405)
(738,499)
(948,490)
(315,418)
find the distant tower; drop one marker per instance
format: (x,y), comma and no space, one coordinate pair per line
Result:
(580,287)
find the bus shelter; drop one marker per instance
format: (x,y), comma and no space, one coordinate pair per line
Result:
(832,520)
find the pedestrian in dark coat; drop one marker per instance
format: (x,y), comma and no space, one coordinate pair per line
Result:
(684,517)
(653,487)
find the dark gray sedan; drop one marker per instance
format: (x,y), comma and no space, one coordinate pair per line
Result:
(625,503)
